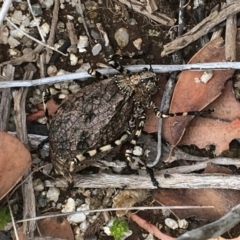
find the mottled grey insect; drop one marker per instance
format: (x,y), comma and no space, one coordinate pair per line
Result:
(101,116)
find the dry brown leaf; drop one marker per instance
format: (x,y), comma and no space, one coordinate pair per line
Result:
(203,132)
(214,168)
(56,227)
(219,198)
(191,96)
(20,234)
(14,161)
(221,128)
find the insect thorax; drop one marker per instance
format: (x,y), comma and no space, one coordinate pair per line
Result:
(141,85)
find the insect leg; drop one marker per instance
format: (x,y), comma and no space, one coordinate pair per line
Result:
(123,138)
(95,74)
(116,65)
(160,114)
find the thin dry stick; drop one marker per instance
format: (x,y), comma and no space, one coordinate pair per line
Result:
(139,7)
(201,29)
(231,37)
(192,181)
(27,189)
(6,99)
(3,11)
(34,39)
(39,30)
(52,34)
(113,210)
(13,221)
(83,20)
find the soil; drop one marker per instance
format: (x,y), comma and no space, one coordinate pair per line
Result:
(150,53)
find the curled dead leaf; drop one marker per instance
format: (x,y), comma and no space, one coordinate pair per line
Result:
(14,161)
(192,96)
(55,227)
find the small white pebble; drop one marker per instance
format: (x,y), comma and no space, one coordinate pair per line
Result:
(73,59)
(122,37)
(76,218)
(17,17)
(45,29)
(35,22)
(83,207)
(52,70)
(53,194)
(96,49)
(137,151)
(82,43)
(107,230)
(84,225)
(38,185)
(46,3)
(69,206)
(172,224)
(61,72)
(182,223)
(4,33)
(13,43)
(138,43)
(70,17)
(59,206)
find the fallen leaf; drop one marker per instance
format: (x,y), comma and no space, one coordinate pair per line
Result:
(55,227)
(203,132)
(192,96)
(219,198)
(214,168)
(221,128)
(14,161)
(226,107)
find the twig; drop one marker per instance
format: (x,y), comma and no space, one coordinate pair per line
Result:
(181,19)
(13,221)
(218,32)
(34,39)
(109,71)
(3,11)
(52,34)
(20,121)
(230,37)
(83,20)
(6,99)
(34,18)
(137,6)
(200,10)
(113,210)
(201,29)
(192,181)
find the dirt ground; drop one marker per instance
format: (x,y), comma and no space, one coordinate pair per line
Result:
(112,15)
